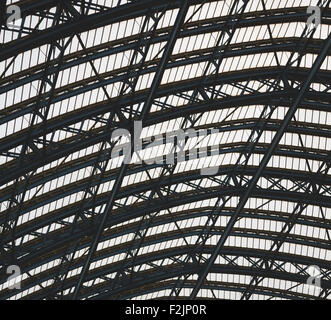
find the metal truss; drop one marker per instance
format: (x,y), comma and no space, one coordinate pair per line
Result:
(59,247)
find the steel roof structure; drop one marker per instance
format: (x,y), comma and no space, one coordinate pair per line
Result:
(244,209)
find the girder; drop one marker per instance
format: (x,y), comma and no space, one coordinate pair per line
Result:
(120,231)
(193,28)
(56,150)
(289,151)
(131,10)
(216,286)
(176,178)
(173,270)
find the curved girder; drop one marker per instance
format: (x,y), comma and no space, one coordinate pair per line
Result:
(189,232)
(86,161)
(111,175)
(211,285)
(176,217)
(44,276)
(74,59)
(60,149)
(146,186)
(76,116)
(173,270)
(102,80)
(253,47)
(113,15)
(225,126)
(84,23)
(15,140)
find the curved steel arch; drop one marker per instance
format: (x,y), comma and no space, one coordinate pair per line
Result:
(216,286)
(163,272)
(57,157)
